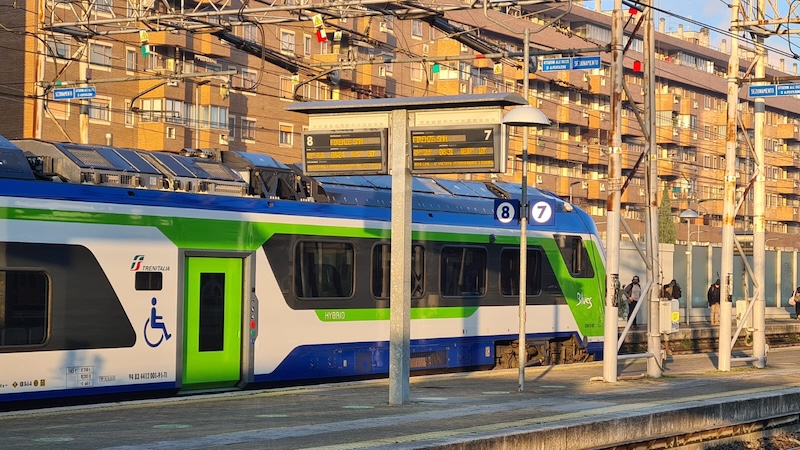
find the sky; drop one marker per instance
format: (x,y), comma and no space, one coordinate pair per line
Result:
(715,14)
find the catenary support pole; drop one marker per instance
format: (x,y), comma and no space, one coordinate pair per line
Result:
(759,200)
(654,362)
(729,203)
(613,203)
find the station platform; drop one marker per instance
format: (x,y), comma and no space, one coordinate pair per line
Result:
(561,408)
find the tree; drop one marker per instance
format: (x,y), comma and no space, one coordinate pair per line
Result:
(666,226)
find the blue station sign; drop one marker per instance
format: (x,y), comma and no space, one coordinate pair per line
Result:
(585,62)
(556,64)
(575,63)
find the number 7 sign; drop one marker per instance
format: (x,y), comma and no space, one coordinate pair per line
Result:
(542,213)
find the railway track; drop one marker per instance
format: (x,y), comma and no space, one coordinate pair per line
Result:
(711,344)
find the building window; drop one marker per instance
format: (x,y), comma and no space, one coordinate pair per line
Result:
(152,110)
(128,114)
(287,88)
(231,127)
(59,48)
(100,109)
(250,32)
(100,54)
(103,6)
(416,71)
(287,42)
(285,132)
(214,116)
(130,60)
(172,111)
(416,28)
(248,79)
(307,45)
(170,132)
(248,129)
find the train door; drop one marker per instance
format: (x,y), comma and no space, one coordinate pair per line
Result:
(212,349)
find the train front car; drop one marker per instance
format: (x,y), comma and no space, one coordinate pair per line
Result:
(464,290)
(126,271)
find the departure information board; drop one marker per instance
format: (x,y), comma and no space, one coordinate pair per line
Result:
(456,149)
(359,152)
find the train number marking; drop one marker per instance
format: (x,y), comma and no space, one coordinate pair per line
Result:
(505,212)
(542,212)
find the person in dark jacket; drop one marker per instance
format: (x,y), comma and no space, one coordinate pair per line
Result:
(632,293)
(795,298)
(713,302)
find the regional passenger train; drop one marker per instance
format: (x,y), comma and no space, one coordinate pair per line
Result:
(125,270)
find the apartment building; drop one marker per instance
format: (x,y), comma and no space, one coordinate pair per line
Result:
(218,80)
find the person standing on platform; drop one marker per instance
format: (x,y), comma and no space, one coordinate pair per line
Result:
(794,300)
(713,302)
(633,292)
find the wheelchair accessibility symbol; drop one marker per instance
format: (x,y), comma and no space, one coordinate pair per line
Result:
(154,323)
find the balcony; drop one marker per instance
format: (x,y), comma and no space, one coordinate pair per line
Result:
(597,155)
(780,159)
(781,214)
(666,134)
(787,131)
(783,186)
(597,190)
(599,120)
(686,137)
(629,126)
(634,194)
(668,102)
(669,169)
(572,114)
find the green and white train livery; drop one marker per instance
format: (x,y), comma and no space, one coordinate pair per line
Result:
(125,270)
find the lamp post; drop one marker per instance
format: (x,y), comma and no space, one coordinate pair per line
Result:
(688,214)
(524,116)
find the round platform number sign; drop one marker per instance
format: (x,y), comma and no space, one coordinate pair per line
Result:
(542,212)
(505,211)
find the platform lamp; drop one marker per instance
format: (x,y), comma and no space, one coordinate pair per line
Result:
(524,116)
(688,214)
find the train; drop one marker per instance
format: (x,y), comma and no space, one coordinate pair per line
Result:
(125,271)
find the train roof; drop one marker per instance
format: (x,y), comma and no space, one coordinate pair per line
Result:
(249,175)
(428,194)
(13,163)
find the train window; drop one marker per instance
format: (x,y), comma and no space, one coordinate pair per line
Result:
(463,271)
(381,275)
(575,256)
(509,272)
(212,312)
(324,270)
(24,297)
(149,281)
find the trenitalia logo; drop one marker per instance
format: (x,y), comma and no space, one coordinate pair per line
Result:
(136,265)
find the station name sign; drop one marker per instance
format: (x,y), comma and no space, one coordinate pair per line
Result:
(774,90)
(456,149)
(356,152)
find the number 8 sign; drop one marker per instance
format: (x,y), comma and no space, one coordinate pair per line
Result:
(506,211)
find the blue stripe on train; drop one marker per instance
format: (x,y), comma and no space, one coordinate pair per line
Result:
(573,222)
(364,359)
(88,391)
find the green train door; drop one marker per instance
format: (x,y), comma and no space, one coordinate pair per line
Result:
(212,352)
